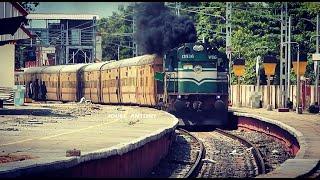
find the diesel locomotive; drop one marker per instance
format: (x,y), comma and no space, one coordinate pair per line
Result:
(190,82)
(196,84)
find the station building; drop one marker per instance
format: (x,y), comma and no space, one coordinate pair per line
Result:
(12,20)
(61,39)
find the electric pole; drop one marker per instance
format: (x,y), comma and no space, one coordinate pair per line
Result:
(228,41)
(134,44)
(286,88)
(289,57)
(316,63)
(118,52)
(94,39)
(282,58)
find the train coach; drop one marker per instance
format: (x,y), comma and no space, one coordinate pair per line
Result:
(128,81)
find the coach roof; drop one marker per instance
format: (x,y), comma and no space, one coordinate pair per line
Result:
(95,66)
(73,67)
(34,69)
(53,69)
(135,61)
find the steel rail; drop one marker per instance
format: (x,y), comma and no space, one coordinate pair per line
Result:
(200,154)
(255,151)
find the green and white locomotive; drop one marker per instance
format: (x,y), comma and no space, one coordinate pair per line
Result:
(196,84)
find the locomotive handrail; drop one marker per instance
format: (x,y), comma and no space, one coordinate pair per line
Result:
(174,84)
(166,87)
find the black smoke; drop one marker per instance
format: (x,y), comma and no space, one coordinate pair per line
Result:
(159,30)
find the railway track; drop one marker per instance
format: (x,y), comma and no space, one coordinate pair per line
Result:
(228,155)
(199,156)
(183,158)
(254,150)
(210,155)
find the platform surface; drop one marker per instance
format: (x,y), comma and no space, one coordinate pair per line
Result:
(112,130)
(307,124)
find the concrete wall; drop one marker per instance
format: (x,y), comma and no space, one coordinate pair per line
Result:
(7,65)
(247,90)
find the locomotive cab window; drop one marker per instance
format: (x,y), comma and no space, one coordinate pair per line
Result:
(187,50)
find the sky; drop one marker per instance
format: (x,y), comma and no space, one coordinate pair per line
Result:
(103,9)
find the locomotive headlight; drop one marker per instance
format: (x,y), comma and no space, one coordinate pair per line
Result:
(198,48)
(218,97)
(179,96)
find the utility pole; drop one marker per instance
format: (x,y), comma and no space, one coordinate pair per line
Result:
(62,51)
(67,42)
(118,52)
(289,58)
(282,58)
(258,71)
(298,83)
(228,41)
(134,44)
(285,22)
(316,63)
(94,38)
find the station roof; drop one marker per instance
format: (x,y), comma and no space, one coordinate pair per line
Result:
(58,16)
(13,20)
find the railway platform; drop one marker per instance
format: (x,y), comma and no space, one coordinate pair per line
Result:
(116,141)
(305,127)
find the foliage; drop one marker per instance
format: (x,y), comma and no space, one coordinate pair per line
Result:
(254,25)
(112,30)
(29,6)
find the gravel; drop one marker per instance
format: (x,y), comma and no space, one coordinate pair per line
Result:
(225,158)
(75,110)
(182,155)
(68,111)
(273,151)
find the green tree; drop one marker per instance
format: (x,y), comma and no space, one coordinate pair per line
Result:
(257,24)
(254,25)
(116,30)
(29,6)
